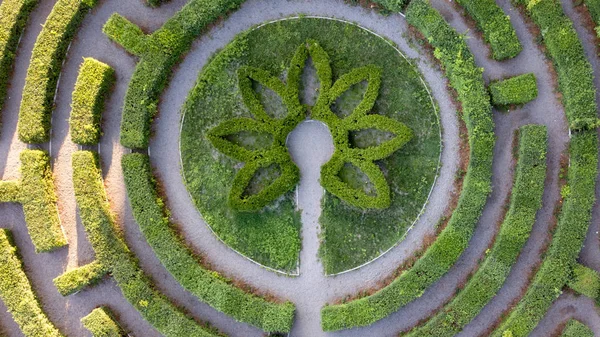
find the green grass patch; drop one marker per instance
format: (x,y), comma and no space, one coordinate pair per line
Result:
(18,296)
(466,78)
(76,279)
(576,329)
(526,200)
(93,83)
(112,252)
(515,90)
(100,323)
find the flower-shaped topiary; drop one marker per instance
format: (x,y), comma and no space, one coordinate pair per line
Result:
(276,153)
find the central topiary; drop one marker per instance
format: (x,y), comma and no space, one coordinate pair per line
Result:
(276,152)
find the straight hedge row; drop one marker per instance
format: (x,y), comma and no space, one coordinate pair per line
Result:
(515,90)
(100,323)
(18,296)
(13,18)
(496,27)
(76,279)
(150,213)
(112,252)
(466,78)
(93,83)
(525,201)
(45,66)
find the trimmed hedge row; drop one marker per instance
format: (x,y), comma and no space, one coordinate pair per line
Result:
(44,69)
(466,78)
(163,50)
(575,74)
(13,18)
(10,191)
(39,200)
(100,323)
(585,281)
(93,83)
(112,252)
(393,5)
(525,201)
(125,33)
(496,27)
(515,90)
(18,296)
(577,329)
(593,7)
(76,279)
(150,213)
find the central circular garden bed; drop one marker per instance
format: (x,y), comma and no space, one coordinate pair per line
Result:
(255,91)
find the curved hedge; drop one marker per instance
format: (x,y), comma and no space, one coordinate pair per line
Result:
(100,323)
(525,201)
(17,294)
(576,329)
(44,69)
(210,287)
(112,252)
(466,78)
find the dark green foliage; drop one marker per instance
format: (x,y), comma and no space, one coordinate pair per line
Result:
(162,51)
(76,279)
(112,252)
(128,35)
(466,78)
(496,27)
(44,69)
(155,3)
(92,86)
(208,286)
(39,200)
(10,191)
(100,323)
(515,90)
(577,329)
(585,281)
(16,293)
(13,18)
(526,199)
(393,5)
(593,7)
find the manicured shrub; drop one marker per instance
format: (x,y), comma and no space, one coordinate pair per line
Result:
(39,200)
(101,324)
(496,27)
(13,18)
(16,293)
(112,252)
(393,5)
(76,279)
(93,83)
(466,78)
(585,281)
(593,7)
(163,50)
(128,35)
(47,57)
(10,191)
(515,90)
(577,329)
(526,200)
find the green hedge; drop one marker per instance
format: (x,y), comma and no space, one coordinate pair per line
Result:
(112,252)
(93,83)
(75,280)
(101,324)
(593,7)
(163,50)
(210,287)
(577,329)
(525,201)
(515,90)
(16,293)
(39,200)
(393,5)
(125,33)
(13,18)
(585,281)
(44,69)
(466,78)
(10,191)
(496,27)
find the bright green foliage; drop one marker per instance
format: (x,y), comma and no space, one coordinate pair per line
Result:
(44,69)
(515,90)
(75,280)
(467,80)
(128,35)
(10,191)
(210,287)
(101,324)
(496,27)
(577,329)
(585,281)
(39,200)
(93,83)
(112,252)
(163,50)
(16,293)
(525,201)
(13,18)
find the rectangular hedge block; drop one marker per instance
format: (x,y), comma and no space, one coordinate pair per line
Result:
(101,324)
(10,191)
(515,90)
(93,83)
(128,35)
(585,281)
(74,280)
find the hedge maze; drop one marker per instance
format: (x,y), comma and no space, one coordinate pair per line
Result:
(166,177)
